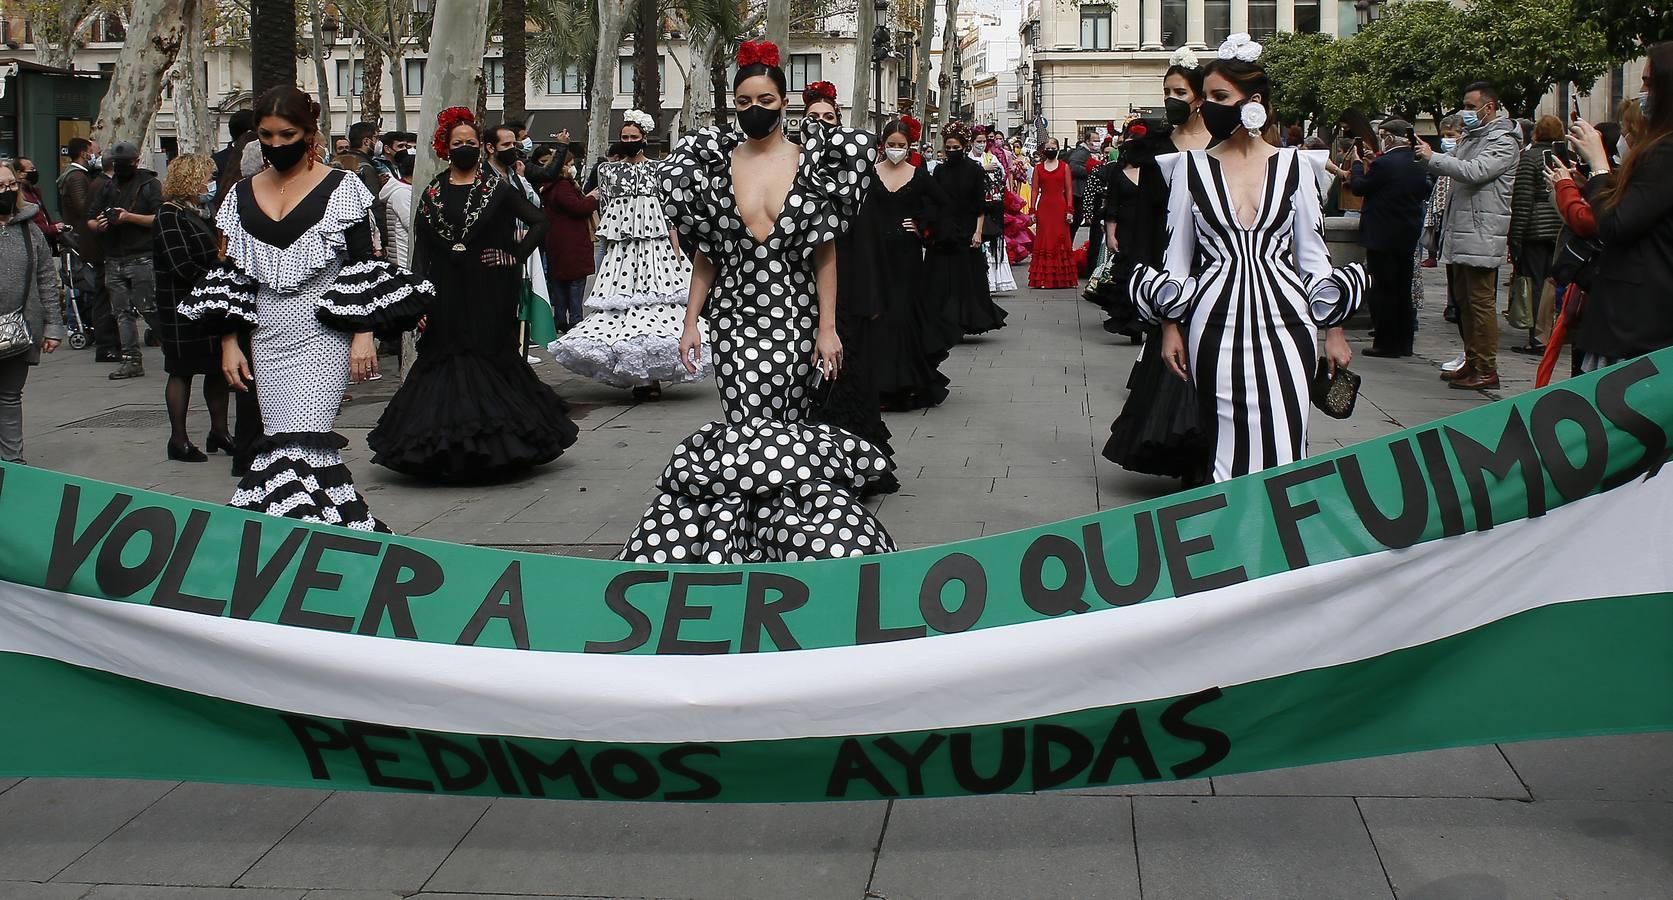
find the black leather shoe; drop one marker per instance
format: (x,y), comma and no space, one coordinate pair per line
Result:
(1380,353)
(186,453)
(215,441)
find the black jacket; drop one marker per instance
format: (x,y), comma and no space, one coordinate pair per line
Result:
(1629,310)
(1395,187)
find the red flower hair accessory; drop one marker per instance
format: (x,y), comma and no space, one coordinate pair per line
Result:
(817,91)
(1138,131)
(914,128)
(763,52)
(445,123)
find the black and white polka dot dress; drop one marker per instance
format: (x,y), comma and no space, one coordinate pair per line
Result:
(305,284)
(630,335)
(767,484)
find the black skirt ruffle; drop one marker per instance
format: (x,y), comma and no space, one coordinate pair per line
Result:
(463,417)
(374,295)
(300,476)
(1159,431)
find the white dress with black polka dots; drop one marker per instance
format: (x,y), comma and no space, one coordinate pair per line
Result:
(767,484)
(636,312)
(304,284)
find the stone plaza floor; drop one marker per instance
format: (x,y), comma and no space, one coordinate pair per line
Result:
(1017,444)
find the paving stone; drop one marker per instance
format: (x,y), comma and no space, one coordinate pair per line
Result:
(1254,847)
(7,784)
(1621,767)
(1500,849)
(363,841)
(1039,847)
(1190,787)
(334,894)
(46,823)
(510,534)
(200,834)
(1458,772)
(32,890)
(176,892)
(728,852)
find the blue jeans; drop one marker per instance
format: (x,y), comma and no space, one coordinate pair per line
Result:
(566,301)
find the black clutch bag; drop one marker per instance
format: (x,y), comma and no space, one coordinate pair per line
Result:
(1336,394)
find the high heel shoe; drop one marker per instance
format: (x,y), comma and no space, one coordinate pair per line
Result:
(186,453)
(217,440)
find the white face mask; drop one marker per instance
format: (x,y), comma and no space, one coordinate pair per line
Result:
(377,148)
(895,154)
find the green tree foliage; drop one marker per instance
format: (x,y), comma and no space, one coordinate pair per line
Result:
(1628,26)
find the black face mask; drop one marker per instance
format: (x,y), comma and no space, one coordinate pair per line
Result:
(510,156)
(629,149)
(1178,110)
(125,169)
(464,157)
(1222,120)
(759,121)
(284,157)
(1051,153)
(8,202)
(33,176)
(955,155)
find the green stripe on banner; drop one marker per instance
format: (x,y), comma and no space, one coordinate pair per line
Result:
(1534,675)
(1408,592)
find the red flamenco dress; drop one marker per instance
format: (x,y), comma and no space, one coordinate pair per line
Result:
(1053,265)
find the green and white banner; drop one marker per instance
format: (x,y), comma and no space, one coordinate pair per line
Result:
(1503,574)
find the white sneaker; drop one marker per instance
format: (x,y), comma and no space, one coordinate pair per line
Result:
(1454,364)
(534,360)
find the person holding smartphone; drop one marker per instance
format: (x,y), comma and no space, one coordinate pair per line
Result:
(123,212)
(1394,186)
(1534,225)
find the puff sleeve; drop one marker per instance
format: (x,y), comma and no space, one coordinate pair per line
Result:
(836,173)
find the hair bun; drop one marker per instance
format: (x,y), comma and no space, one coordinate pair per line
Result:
(762,52)
(817,91)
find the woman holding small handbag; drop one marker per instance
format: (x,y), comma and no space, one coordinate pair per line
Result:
(31,317)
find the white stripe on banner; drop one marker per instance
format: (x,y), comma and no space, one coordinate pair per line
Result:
(1325,615)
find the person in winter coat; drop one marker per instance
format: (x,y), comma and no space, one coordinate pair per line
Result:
(1477,227)
(28,281)
(1535,223)
(569,243)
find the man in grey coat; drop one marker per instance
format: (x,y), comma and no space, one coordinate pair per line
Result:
(1477,227)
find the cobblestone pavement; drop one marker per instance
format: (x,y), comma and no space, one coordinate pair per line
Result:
(1016,445)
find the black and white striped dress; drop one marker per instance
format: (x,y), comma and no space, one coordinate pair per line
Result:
(304,284)
(1251,301)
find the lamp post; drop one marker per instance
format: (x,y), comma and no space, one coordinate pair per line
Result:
(880,51)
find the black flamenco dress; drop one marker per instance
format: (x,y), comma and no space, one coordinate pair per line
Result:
(889,264)
(1158,431)
(471,408)
(768,483)
(850,402)
(958,272)
(301,287)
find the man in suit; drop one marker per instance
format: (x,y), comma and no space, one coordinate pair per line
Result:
(1394,187)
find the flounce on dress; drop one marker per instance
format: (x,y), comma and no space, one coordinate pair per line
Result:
(635,314)
(1053,265)
(1000,279)
(305,284)
(471,408)
(957,272)
(766,484)
(891,260)
(1251,301)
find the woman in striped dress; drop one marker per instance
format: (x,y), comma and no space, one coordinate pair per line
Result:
(1246,281)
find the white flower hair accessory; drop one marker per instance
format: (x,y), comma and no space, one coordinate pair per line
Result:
(1184,58)
(1241,46)
(1254,118)
(639,118)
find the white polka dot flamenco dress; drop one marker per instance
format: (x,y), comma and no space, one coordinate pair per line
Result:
(766,484)
(304,285)
(630,335)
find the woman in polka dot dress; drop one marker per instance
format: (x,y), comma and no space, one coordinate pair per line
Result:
(760,217)
(631,333)
(300,275)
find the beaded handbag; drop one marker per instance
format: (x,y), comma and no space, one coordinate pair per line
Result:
(1335,394)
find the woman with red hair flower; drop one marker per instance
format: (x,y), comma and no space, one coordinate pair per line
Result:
(471,409)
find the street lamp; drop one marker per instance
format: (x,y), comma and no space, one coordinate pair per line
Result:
(880,51)
(423,7)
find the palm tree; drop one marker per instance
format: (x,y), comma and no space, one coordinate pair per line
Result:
(272,44)
(647,68)
(514,26)
(565,36)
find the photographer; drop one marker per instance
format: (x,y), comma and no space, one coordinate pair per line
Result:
(123,213)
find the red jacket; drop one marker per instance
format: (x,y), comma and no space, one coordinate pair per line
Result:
(1577,213)
(569,244)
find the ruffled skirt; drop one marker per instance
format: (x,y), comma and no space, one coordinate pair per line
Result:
(763,491)
(1000,278)
(302,476)
(1158,431)
(631,333)
(464,416)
